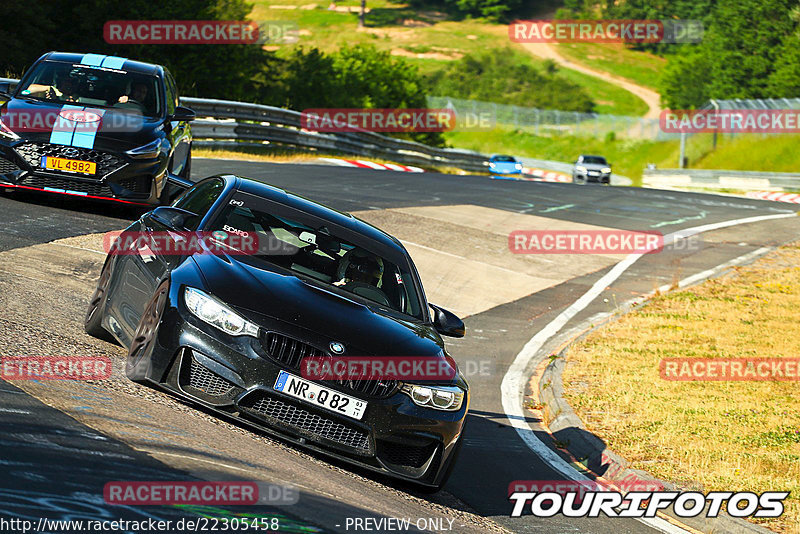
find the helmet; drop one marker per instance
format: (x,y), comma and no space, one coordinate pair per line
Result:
(360,266)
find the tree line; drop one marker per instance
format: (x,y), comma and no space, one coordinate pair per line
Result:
(751,48)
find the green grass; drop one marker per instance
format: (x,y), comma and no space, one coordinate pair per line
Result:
(747,152)
(627,157)
(640,67)
(435,36)
(609,98)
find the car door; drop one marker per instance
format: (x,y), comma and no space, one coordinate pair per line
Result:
(139,268)
(142,266)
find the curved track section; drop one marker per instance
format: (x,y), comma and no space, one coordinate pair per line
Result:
(63,441)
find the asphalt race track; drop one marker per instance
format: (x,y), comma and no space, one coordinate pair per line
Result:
(64,441)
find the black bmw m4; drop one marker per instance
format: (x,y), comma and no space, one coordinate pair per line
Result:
(230,328)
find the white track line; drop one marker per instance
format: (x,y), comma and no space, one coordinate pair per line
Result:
(513,385)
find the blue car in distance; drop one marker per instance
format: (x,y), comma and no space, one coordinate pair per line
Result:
(500,164)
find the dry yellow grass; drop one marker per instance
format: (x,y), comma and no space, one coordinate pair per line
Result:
(733,436)
(252,155)
(255,154)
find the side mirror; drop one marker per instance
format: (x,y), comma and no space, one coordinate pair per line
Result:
(172,218)
(183,114)
(446,323)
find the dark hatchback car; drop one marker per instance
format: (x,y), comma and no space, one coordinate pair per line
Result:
(95,126)
(229,330)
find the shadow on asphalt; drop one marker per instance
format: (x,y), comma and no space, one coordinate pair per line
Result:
(77,204)
(56,468)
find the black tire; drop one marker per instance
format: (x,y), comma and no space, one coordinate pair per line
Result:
(93,321)
(580,180)
(136,364)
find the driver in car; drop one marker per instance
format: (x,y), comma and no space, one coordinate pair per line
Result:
(63,89)
(137,95)
(362,269)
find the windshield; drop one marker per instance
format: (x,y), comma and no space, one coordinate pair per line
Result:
(504,159)
(310,248)
(55,81)
(593,160)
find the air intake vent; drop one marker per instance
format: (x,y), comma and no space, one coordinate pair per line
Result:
(273,409)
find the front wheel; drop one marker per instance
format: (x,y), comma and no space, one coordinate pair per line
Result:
(93,322)
(138,361)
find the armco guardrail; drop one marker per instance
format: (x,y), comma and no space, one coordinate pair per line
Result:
(721,179)
(225,121)
(227,124)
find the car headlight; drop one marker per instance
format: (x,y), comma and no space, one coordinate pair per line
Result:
(606,170)
(211,311)
(518,166)
(492,164)
(580,168)
(7,133)
(447,398)
(148,151)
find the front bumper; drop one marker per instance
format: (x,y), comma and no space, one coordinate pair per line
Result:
(234,376)
(119,178)
(592,176)
(505,171)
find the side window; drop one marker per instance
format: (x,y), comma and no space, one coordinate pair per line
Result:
(172,92)
(174,89)
(199,200)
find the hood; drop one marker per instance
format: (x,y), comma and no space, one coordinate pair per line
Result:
(506,164)
(594,166)
(116,131)
(304,305)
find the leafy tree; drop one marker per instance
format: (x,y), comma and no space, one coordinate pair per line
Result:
(743,44)
(784,82)
(496,10)
(23,26)
(684,80)
(502,76)
(750,50)
(217,71)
